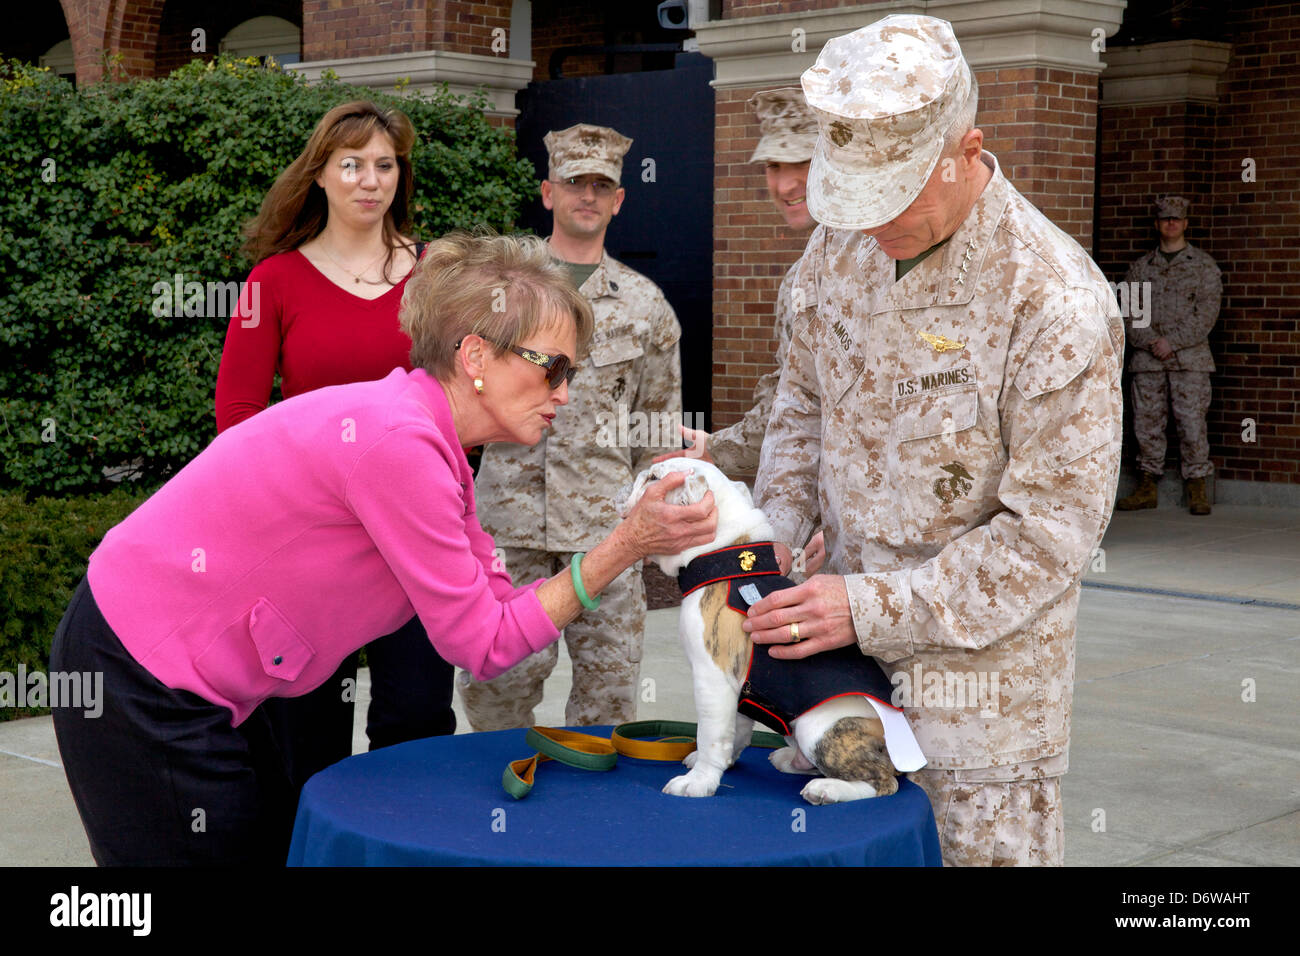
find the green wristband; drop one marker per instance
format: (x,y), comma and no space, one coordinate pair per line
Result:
(575,571)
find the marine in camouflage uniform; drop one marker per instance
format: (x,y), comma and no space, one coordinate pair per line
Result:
(542,504)
(1186,287)
(788,134)
(957,431)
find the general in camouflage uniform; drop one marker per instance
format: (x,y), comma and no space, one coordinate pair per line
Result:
(542,504)
(1170,357)
(950,410)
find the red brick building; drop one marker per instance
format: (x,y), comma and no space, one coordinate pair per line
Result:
(1091,107)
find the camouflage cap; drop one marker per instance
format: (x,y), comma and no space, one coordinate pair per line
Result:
(884,97)
(1171,207)
(788,129)
(584,149)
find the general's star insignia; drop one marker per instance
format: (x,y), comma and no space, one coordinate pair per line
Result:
(941,344)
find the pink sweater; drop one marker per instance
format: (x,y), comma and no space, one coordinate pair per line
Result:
(301,534)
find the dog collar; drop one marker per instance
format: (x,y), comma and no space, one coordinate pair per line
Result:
(726,564)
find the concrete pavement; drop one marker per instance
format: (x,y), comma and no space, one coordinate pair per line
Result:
(1185,734)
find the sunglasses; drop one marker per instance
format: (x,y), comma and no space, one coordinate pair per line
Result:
(559,368)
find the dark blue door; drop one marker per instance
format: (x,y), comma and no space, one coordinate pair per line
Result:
(665,229)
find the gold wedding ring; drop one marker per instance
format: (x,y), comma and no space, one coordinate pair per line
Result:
(794,632)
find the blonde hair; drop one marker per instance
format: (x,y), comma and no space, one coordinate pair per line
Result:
(503,288)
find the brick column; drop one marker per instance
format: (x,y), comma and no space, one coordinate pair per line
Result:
(1037,66)
(126,31)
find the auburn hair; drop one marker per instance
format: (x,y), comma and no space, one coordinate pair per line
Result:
(295,209)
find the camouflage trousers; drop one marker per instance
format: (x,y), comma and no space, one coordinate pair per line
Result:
(1189,393)
(995,824)
(604,647)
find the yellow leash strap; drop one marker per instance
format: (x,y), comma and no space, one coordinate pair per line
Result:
(675,739)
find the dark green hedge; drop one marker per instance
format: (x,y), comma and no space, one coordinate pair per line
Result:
(44,547)
(112,189)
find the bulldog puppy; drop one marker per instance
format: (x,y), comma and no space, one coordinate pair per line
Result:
(832,708)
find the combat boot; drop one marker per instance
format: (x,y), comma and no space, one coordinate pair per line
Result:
(1197,502)
(1144,497)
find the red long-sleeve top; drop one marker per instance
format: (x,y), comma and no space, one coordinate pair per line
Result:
(294,320)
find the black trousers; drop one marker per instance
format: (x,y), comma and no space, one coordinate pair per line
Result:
(160,777)
(410,698)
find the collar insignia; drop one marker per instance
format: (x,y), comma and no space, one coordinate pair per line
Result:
(965,262)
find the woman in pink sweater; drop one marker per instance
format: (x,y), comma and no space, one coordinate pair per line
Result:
(332,259)
(313,527)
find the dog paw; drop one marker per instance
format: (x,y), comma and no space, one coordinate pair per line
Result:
(690,758)
(829,790)
(691,785)
(790,760)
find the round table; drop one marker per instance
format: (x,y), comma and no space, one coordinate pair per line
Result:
(439,802)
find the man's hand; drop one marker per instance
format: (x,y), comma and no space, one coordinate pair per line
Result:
(1161,349)
(784,557)
(699,448)
(814,555)
(820,608)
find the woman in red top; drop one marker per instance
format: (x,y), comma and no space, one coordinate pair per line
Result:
(321,309)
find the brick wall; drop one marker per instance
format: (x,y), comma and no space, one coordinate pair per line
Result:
(1041,124)
(1251,228)
(465,26)
(1255,236)
(558,23)
(332,30)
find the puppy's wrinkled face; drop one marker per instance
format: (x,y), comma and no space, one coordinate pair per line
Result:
(694,490)
(737,516)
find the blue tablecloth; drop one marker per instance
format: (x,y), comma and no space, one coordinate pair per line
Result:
(439,802)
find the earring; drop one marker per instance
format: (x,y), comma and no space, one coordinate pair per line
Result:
(478,385)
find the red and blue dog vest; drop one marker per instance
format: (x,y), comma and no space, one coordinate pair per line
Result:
(776,691)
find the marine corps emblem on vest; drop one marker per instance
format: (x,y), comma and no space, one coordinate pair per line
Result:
(950,489)
(620,385)
(747,559)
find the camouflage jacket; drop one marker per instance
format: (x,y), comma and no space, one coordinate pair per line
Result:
(625,406)
(734,449)
(958,433)
(1183,307)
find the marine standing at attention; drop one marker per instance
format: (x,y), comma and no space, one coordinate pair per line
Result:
(542,504)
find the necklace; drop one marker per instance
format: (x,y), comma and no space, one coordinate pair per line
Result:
(356,276)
